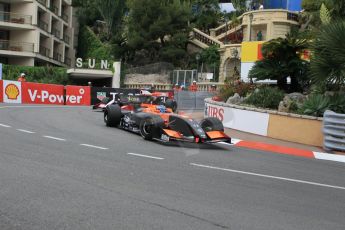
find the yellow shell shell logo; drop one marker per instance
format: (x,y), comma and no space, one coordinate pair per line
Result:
(12,92)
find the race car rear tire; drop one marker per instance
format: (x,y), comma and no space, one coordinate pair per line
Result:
(150,127)
(112,115)
(169,103)
(211,124)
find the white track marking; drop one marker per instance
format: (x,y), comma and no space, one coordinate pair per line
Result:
(55,138)
(93,146)
(25,131)
(5,126)
(268,176)
(329,157)
(146,156)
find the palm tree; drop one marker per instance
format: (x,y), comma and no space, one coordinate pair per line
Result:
(328,59)
(282,60)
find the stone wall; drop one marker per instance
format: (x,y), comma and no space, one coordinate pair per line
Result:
(147,78)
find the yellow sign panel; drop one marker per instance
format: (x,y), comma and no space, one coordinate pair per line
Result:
(251,51)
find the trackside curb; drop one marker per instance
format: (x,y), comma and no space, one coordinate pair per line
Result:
(287,150)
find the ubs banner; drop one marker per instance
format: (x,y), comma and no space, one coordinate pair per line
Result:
(98,93)
(36,93)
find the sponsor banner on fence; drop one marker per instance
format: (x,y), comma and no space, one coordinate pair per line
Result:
(12,92)
(36,93)
(239,119)
(98,93)
(78,95)
(1,92)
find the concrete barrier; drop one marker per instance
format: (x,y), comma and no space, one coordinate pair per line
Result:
(283,126)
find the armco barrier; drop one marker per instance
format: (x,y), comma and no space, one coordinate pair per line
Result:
(334,131)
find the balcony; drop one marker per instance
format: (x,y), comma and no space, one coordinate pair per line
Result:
(57,56)
(43,2)
(66,38)
(44,51)
(68,61)
(65,17)
(16,46)
(56,32)
(54,9)
(15,18)
(43,25)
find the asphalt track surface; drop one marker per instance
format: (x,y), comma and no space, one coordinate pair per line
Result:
(62,168)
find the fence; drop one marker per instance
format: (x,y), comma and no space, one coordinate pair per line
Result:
(188,100)
(334,131)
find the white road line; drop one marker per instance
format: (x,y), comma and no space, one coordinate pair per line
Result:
(268,176)
(94,146)
(55,138)
(25,131)
(146,156)
(5,126)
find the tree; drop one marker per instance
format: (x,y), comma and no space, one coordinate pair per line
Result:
(206,14)
(327,63)
(156,26)
(281,59)
(211,57)
(112,12)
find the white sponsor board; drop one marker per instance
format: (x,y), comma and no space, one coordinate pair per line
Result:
(12,92)
(242,120)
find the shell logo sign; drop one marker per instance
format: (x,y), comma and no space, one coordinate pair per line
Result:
(12,92)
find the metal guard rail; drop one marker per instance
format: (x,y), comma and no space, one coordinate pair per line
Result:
(334,131)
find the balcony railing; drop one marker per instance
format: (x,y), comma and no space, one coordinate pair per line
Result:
(57,56)
(43,25)
(43,2)
(66,38)
(65,17)
(15,18)
(16,46)
(44,51)
(68,61)
(56,32)
(55,10)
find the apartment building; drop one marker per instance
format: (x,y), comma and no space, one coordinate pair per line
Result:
(37,32)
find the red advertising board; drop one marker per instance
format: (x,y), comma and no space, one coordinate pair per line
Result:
(1,92)
(78,95)
(36,93)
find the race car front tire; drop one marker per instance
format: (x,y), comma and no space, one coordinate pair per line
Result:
(150,127)
(112,115)
(211,124)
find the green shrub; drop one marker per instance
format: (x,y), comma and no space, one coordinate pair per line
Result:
(315,105)
(49,75)
(266,97)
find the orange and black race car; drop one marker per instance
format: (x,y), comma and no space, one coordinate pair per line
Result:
(156,122)
(158,98)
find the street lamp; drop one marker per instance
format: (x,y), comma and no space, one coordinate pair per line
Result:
(197,57)
(226,28)
(251,16)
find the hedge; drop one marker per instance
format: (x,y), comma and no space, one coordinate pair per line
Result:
(49,75)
